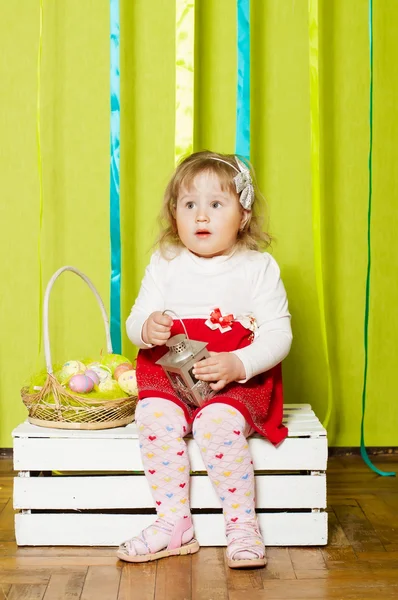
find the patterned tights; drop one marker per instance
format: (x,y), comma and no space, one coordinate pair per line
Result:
(220,432)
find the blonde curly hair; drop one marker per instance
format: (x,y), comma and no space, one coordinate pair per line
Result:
(252,236)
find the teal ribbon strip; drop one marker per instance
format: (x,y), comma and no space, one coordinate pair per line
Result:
(364,453)
(114,179)
(242,147)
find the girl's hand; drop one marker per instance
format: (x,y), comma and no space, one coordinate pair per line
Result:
(156,329)
(222,367)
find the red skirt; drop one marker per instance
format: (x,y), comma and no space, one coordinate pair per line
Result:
(260,400)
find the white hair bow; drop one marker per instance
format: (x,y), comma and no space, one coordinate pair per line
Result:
(244,185)
(243,182)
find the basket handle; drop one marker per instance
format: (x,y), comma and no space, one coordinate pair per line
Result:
(50,284)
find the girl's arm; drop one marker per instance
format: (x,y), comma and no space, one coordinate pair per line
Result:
(270,309)
(149,300)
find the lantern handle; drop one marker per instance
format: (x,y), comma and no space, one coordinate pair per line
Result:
(168,310)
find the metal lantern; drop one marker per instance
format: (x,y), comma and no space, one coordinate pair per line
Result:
(178,364)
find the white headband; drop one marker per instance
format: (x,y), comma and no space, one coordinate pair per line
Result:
(243,182)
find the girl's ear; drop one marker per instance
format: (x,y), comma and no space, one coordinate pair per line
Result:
(246,215)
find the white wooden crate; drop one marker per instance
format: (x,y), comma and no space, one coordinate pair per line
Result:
(102,496)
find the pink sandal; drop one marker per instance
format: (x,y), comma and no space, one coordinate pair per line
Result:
(245,537)
(183,528)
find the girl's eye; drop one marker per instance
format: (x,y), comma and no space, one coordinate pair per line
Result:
(189,205)
(216,204)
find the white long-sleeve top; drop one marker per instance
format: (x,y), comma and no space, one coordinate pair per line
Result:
(246,282)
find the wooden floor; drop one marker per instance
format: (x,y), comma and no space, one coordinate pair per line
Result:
(360,562)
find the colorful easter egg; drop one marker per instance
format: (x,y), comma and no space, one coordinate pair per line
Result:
(70,368)
(113,360)
(93,375)
(81,384)
(101,371)
(128,382)
(108,385)
(122,369)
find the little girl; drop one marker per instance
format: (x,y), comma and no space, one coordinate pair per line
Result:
(209,271)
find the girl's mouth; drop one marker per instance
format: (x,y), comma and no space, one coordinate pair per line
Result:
(202,234)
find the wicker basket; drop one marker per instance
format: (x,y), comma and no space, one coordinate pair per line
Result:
(56,406)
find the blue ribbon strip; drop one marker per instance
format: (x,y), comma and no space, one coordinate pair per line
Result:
(243,95)
(114,179)
(364,453)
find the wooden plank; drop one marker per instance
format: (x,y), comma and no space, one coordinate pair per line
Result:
(4,591)
(11,549)
(336,536)
(101,582)
(351,574)
(25,576)
(7,523)
(173,578)
(243,579)
(383,518)
(357,529)
(85,529)
(279,565)
(5,488)
(142,577)
(65,585)
(361,587)
(129,491)
(342,557)
(21,591)
(208,575)
(307,558)
(56,562)
(28,430)
(68,454)
(301,429)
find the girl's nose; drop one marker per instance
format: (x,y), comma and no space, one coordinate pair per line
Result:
(201,216)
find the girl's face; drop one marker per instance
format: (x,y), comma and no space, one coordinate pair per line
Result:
(208,218)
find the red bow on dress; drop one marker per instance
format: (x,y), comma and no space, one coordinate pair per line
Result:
(216,317)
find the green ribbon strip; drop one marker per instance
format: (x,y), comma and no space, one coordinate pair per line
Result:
(40,170)
(316,195)
(185,39)
(364,453)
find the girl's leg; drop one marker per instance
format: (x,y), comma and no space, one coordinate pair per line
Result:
(220,431)
(161,429)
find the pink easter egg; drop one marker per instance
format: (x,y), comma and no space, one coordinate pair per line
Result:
(93,375)
(81,384)
(122,369)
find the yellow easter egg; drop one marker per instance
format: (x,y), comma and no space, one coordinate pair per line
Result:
(128,382)
(70,368)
